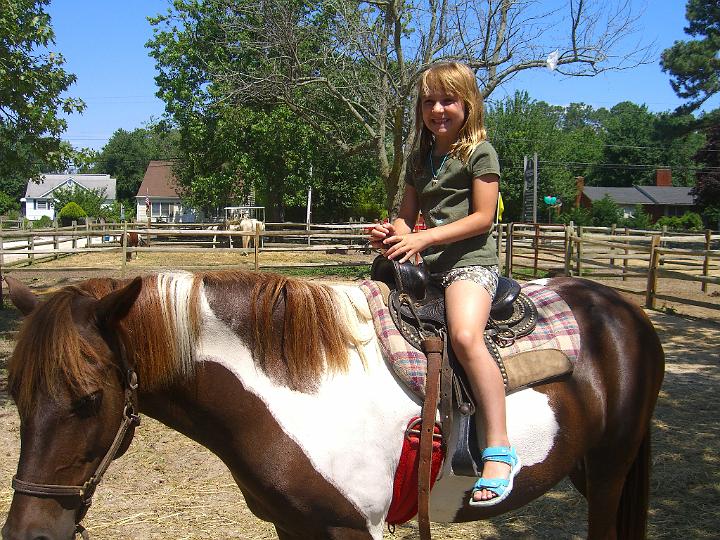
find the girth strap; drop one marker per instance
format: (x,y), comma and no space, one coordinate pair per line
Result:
(433,349)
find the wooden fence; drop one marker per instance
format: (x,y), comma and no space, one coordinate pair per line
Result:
(610,252)
(526,249)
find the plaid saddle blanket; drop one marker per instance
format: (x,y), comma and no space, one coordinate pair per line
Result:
(556,329)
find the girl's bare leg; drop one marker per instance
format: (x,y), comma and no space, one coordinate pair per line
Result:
(468,308)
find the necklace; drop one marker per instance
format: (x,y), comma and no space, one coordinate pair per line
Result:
(435,173)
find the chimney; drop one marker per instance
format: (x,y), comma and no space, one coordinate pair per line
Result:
(663,177)
(579,187)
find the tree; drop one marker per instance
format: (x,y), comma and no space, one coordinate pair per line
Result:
(127,154)
(707,189)
(32,85)
(605,212)
(90,200)
(348,69)
(694,65)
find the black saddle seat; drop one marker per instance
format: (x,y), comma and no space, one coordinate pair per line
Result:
(414,280)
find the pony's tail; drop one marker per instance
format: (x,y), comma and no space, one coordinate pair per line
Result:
(633,509)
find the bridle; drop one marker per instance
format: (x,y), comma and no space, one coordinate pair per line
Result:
(86,491)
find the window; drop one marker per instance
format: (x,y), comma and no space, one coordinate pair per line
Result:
(41,204)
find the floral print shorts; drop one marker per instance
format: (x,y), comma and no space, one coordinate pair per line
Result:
(487,276)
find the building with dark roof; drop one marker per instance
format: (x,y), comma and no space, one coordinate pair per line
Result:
(662,199)
(158,193)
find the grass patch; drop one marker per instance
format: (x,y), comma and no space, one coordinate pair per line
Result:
(344,272)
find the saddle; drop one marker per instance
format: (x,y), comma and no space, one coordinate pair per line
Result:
(417,306)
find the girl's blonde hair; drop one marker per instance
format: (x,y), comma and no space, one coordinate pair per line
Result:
(458,80)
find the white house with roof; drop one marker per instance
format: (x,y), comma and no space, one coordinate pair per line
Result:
(38,200)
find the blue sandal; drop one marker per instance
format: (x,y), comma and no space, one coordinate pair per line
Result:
(500,486)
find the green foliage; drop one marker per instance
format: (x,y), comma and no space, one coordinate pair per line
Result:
(707,188)
(606,212)
(43,223)
(689,221)
(8,203)
(90,200)
(520,126)
(71,211)
(126,155)
(711,214)
(32,85)
(639,220)
(694,65)
(579,216)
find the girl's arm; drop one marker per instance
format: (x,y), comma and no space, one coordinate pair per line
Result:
(480,220)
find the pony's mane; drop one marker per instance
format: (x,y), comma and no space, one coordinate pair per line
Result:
(312,336)
(160,333)
(50,352)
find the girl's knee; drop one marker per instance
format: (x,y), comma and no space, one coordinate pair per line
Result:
(466,339)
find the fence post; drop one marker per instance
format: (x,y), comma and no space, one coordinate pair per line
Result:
(706,262)
(652,273)
(627,252)
(257,245)
(509,250)
(499,241)
(612,239)
(578,263)
(123,251)
(74,235)
(568,248)
(56,240)
(536,241)
(88,239)
(31,248)
(2,263)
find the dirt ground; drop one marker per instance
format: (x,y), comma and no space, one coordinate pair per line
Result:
(168,487)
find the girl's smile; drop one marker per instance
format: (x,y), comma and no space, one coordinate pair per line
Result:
(443,114)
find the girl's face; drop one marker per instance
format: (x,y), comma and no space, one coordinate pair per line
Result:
(443,114)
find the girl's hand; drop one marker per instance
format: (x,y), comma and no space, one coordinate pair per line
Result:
(404,246)
(379,232)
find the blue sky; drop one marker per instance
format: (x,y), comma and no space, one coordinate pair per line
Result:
(103,42)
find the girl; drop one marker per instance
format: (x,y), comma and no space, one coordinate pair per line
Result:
(452,177)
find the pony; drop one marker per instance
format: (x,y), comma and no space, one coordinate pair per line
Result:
(284,380)
(131,240)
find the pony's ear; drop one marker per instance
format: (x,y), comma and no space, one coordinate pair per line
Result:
(20,295)
(112,308)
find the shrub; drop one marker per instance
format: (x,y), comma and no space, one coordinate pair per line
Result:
(639,220)
(689,221)
(43,223)
(71,211)
(605,212)
(579,216)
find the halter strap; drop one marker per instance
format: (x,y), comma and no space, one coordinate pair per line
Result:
(87,490)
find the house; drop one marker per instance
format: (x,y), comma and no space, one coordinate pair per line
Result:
(38,199)
(662,199)
(158,192)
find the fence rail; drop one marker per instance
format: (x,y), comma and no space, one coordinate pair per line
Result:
(534,249)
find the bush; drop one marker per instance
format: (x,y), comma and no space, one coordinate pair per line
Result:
(71,212)
(606,212)
(43,223)
(579,216)
(639,220)
(689,221)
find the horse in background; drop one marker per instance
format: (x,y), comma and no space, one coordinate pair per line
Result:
(285,381)
(246,224)
(132,240)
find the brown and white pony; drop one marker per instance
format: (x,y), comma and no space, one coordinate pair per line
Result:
(284,380)
(131,240)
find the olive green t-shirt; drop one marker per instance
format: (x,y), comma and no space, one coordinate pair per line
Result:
(448,198)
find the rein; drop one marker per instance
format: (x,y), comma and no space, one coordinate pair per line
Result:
(87,490)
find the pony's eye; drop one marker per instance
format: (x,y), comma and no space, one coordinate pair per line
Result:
(87,406)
